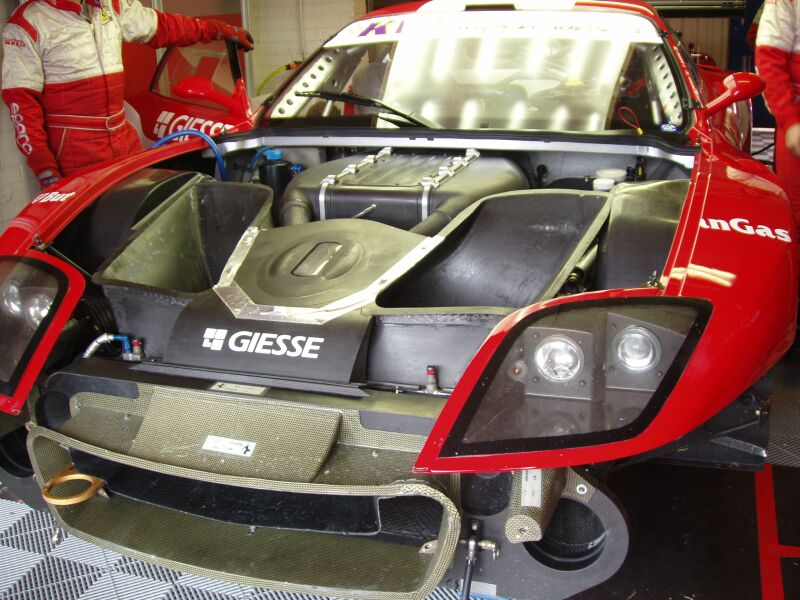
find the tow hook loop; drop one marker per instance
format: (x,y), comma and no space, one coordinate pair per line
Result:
(69,473)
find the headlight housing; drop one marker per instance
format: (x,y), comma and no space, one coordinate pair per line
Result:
(28,291)
(579,374)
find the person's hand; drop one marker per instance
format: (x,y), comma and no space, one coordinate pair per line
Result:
(48,178)
(239,35)
(793,139)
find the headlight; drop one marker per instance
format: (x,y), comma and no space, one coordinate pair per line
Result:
(579,374)
(558,358)
(636,349)
(28,290)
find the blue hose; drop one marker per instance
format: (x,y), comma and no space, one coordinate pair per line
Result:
(258,155)
(223,174)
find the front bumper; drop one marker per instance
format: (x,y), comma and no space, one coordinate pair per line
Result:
(175,504)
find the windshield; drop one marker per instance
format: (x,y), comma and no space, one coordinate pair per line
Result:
(584,71)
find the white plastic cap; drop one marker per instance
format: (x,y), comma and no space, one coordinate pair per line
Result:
(603,184)
(618,175)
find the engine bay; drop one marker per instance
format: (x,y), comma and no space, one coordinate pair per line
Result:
(381,262)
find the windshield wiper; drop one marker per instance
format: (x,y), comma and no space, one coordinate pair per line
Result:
(412,118)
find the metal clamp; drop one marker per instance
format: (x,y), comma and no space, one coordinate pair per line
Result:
(350,169)
(70,474)
(443,173)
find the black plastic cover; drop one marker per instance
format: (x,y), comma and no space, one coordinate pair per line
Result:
(517,249)
(403,346)
(330,352)
(642,225)
(314,264)
(393,184)
(103,227)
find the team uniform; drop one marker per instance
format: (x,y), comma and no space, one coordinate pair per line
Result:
(778,63)
(63,77)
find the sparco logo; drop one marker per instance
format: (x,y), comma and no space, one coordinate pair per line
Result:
(253,342)
(167,123)
(743,226)
(23,140)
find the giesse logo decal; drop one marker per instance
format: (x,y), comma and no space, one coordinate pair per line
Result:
(253,342)
(214,338)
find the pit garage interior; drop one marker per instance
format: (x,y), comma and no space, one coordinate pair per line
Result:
(696,533)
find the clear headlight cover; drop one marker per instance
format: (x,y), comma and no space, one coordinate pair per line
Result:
(28,291)
(579,374)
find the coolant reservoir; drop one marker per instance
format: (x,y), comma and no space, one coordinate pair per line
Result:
(603,184)
(617,175)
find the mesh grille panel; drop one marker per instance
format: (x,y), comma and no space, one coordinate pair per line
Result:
(784,424)
(292,561)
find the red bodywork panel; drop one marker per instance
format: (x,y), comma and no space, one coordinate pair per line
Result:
(750,280)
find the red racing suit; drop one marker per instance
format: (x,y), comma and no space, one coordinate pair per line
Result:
(63,78)
(778,63)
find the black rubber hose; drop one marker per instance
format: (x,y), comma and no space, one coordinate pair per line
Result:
(439,218)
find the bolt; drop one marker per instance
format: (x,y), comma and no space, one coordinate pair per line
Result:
(522,531)
(581,489)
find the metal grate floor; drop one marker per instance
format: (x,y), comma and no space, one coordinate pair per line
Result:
(784,419)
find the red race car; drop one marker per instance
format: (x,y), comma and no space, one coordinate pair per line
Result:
(394,331)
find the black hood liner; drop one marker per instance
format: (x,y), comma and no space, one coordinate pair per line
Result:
(337,358)
(518,249)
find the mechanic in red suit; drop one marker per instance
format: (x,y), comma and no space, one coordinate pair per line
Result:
(778,63)
(63,78)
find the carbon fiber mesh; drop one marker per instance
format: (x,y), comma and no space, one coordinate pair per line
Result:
(572,529)
(9,423)
(409,516)
(294,441)
(107,421)
(784,423)
(291,442)
(291,561)
(527,523)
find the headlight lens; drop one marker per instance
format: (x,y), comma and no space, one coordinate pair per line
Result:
(12,300)
(558,358)
(636,349)
(579,374)
(37,307)
(27,294)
